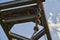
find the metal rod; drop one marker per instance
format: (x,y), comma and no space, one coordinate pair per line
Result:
(39,35)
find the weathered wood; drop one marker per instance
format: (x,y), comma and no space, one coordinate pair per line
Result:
(14,35)
(5,27)
(20,15)
(17,3)
(44,22)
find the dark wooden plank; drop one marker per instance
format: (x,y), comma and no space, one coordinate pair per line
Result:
(44,22)
(5,27)
(14,35)
(17,3)
(14,4)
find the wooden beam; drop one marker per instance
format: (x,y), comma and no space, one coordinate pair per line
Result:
(15,3)
(5,27)
(44,22)
(14,35)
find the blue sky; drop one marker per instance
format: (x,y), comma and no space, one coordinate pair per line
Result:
(50,6)
(1,1)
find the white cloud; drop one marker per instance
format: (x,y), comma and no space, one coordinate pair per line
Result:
(51,14)
(54,27)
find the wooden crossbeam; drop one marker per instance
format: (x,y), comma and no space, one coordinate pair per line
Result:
(16,36)
(17,3)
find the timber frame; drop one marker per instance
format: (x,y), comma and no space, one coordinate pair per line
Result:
(26,14)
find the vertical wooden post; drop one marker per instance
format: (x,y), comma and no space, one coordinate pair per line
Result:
(5,27)
(44,22)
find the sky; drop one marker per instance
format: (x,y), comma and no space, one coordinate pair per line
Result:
(52,10)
